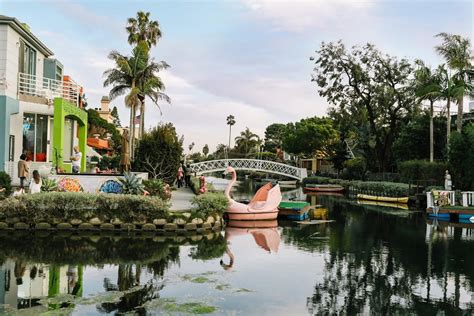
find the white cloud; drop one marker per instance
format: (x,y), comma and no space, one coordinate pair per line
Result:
(301,15)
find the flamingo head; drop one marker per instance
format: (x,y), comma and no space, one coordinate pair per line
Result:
(229,169)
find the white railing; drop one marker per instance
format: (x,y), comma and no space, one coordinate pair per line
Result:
(467,198)
(48,88)
(249,164)
(442,198)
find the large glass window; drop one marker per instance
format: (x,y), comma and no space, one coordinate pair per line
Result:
(35,136)
(29,124)
(41,137)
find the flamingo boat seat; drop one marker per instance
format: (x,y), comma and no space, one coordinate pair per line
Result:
(263,206)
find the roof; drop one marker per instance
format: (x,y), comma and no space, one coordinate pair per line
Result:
(23,30)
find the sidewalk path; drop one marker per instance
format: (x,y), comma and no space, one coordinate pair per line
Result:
(181,199)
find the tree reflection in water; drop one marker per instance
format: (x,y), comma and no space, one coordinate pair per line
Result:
(377,264)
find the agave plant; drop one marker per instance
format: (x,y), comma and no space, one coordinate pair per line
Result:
(131,184)
(49,185)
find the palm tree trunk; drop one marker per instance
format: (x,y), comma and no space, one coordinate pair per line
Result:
(431,133)
(460,113)
(142,119)
(448,128)
(130,143)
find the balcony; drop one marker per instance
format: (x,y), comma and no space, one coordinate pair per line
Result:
(43,90)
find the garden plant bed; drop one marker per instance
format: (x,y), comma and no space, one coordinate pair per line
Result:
(108,212)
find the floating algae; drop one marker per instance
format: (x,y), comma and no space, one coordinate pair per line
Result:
(169,305)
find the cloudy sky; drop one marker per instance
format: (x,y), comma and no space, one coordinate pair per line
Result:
(249,58)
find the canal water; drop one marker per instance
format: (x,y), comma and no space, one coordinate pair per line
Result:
(369,259)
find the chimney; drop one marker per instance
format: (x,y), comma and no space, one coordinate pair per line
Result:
(104,104)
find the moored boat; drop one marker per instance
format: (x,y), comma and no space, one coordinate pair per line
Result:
(287,182)
(401,200)
(324,188)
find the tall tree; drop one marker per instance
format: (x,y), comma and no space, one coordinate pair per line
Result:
(309,135)
(144,30)
(427,85)
(274,136)
(205,150)
(230,122)
(456,50)
(136,76)
(371,87)
(116,117)
(247,140)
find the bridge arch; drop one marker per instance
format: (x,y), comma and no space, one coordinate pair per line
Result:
(249,165)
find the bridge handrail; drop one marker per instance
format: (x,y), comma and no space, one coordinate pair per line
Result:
(249,164)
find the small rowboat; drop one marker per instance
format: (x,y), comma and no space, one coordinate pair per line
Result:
(324,188)
(287,182)
(403,200)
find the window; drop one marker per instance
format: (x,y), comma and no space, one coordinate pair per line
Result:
(27,62)
(35,136)
(68,139)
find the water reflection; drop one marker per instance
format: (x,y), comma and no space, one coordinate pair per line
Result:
(369,260)
(267,238)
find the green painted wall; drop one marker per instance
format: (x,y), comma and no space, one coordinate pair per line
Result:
(8,106)
(63,109)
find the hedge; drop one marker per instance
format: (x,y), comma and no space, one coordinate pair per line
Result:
(379,188)
(65,206)
(423,170)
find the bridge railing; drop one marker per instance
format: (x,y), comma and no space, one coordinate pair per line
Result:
(251,165)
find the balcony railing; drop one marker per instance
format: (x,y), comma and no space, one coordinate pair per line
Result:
(48,88)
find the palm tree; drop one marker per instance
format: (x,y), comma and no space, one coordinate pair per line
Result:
(135,75)
(246,140)
(427,86)
(142,29)
(456,50)
(450,90)
(230,122)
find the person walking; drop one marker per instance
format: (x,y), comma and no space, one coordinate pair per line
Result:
(23,171)
(76,160)
(180,176)
(36,183)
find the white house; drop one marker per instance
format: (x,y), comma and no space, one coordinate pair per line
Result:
(34,97)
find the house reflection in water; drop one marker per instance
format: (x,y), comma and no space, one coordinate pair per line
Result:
(24,285)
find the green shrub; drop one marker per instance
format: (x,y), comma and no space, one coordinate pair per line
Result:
(6,182)
(49,185)
(64,206)
(131,184)
(380,188)
(354,169)
(157,187)
(422,170)
(210,204)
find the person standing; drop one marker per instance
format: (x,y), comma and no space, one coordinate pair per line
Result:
(187,177)
(76,160)
(36,183)
(23,170)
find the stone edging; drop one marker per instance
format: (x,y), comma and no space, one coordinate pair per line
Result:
(161,225)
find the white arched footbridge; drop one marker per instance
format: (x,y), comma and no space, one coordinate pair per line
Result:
(250,165)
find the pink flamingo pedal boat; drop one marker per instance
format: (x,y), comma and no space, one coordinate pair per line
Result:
(263,206)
